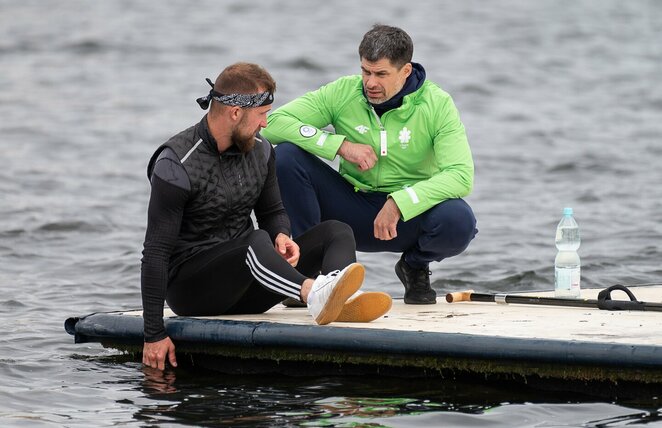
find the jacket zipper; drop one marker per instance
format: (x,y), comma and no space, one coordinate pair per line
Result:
(383,145)
(225,182)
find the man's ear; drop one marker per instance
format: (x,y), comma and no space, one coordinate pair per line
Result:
(408,68)
(236,113)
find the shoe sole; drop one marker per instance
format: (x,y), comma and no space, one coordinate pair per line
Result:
(420,302)
(347,285)
(366,307)
(293,303)
(400,275)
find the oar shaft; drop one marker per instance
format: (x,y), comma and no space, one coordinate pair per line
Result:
(466,296)
(550,301)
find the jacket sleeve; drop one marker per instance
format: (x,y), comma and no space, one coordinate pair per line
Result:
(453,163)
(301,121)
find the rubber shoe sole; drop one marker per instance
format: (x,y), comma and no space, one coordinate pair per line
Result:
(346,286)
(365,307)
(293,303)
(411,301)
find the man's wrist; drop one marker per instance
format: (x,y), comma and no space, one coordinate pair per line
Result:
(341,148)
(395,205)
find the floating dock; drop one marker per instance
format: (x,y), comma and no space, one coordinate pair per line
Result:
(525,342)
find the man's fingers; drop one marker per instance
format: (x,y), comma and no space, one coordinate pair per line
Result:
(155,354)
(172,358)
(293,261)
(385,232)
(365,165)
(148,360)
(151,363)
(160,360)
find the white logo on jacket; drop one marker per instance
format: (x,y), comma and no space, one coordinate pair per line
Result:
(362,129)
(307,131)
(404,136)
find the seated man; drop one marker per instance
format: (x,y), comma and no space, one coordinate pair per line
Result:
(405,161)
(201,252)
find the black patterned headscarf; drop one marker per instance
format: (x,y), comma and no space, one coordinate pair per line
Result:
(239,100)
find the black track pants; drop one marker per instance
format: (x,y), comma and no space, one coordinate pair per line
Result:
(248,276)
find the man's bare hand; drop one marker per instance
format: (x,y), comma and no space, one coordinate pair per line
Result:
(361,155)
(287,248)
(387,220)
(155,353)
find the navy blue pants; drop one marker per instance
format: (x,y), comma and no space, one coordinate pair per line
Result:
(312,192)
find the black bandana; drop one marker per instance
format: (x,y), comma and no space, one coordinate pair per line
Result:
(239,100)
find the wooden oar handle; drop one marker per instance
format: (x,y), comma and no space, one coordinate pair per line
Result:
(459,296)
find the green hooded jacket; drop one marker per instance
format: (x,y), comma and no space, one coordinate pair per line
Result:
(423,154)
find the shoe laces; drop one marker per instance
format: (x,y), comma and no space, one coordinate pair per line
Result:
(421,278)
(332,274)
(329,276)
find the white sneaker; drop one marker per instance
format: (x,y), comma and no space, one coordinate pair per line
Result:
(330,292)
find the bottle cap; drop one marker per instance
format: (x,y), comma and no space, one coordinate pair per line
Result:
(567,211)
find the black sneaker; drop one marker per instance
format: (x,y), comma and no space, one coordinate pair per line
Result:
(417,284)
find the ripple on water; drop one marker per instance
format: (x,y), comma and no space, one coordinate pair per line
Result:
(69,226)
(11,305)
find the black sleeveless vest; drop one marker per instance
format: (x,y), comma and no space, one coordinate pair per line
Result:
(224,187)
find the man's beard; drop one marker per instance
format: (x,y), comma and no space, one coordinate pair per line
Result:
(244,143)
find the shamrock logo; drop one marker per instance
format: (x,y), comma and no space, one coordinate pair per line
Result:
(404,136)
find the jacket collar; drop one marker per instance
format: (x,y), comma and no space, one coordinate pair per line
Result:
(412,84)
(210,141)
(205,134)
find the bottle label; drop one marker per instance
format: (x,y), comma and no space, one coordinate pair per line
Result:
(567,282)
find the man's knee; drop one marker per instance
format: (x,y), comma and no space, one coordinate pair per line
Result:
(287,154)
(259,239)
(337,229)
(455,220)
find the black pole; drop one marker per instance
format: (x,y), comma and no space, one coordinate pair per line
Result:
(604,300)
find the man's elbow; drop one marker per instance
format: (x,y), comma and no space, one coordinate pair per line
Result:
(274,122)
(465,179)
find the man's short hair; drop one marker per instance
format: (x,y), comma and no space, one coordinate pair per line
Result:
(243,78)
(384,41)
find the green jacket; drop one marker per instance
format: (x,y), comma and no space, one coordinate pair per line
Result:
(427,158)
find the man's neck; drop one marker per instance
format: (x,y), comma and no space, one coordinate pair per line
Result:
(219,133)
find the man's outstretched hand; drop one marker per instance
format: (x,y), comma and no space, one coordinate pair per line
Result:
(155,353)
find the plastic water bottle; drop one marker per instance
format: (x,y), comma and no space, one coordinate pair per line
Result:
(567,270)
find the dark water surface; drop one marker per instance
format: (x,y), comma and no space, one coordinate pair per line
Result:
(562,101)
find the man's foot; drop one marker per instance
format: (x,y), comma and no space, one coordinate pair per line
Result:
(361,307)
(417,284)
(330,292)
(365,307)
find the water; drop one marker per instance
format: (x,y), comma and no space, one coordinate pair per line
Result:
(562,103)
